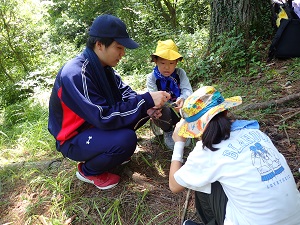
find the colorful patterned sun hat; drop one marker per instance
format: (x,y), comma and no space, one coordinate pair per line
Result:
(167,50)
(200,107)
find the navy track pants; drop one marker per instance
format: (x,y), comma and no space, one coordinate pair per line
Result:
(101,150)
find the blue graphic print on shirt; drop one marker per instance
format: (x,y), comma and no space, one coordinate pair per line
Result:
(263,158)
(265,161)
(245,141)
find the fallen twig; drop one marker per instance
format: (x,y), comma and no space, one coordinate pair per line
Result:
(186,203)
(287,135)
(264,105)
(288,110)
(70,220)
(283,121)
(286,118)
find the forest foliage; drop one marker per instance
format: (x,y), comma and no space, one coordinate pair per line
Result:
(38,37)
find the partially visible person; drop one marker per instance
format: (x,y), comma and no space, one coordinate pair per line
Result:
(92,112)
(238,175)
(167,77)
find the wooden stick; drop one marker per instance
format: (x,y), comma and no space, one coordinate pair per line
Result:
(264,105)
(185,205)
(294,114)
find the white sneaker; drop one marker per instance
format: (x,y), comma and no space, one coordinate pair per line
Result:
(169,142)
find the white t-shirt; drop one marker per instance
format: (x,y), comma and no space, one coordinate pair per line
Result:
(256,178)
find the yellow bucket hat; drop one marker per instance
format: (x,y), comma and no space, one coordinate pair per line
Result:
(167,50)
(200,107)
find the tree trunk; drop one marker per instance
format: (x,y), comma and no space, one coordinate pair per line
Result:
(168,11)
(242,16)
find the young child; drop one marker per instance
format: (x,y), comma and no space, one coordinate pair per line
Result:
(166,77)
(238,175)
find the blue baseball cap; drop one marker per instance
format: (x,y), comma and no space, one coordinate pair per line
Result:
(112,27)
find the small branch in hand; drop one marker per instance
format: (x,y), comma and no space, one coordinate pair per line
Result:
(171,105)
(147,117)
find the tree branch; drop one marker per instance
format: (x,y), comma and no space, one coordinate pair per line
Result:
(264,105)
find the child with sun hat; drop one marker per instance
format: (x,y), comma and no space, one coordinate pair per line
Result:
(238,175)
(166,76)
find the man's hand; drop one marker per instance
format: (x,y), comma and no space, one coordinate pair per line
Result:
(154,113)
(160,98)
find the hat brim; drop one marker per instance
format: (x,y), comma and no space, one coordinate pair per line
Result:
(195,129)
(127,42)
(168,54)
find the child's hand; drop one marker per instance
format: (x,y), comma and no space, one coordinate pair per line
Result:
(179,104)
(175,135)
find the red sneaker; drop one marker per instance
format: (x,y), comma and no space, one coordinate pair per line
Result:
(102,181)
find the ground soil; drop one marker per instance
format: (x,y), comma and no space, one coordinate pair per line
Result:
(149,167)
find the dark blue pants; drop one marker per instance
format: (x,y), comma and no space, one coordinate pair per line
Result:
(101,150)
(212,207)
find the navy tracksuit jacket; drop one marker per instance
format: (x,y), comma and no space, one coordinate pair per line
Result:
(75,103)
